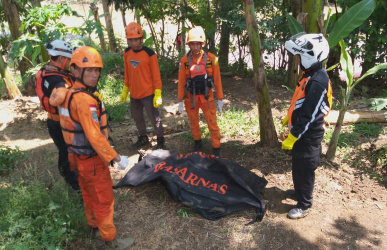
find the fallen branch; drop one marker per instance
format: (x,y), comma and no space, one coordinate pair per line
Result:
(357,117)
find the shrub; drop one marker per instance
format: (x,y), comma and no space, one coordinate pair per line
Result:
(9,157)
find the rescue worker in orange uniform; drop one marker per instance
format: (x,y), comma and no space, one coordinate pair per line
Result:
(53,76)
(84,125)
(311,103)
(143,82)
(199,78)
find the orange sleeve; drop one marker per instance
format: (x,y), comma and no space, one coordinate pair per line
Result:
(155,71)
(81,111)
(126,67)
(182,78)
(216,76)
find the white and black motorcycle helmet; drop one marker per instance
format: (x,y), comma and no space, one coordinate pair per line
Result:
(312,48)
(59,48)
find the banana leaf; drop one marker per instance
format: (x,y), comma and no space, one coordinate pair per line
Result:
(294,26)
(350,20)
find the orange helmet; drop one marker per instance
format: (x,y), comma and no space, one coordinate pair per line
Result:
(196,34)
(133,30)
(86,57)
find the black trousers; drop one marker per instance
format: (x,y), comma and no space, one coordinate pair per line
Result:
(304,163)
(137,107)
(55,132)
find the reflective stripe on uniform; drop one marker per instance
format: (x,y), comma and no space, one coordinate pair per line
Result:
(64,112)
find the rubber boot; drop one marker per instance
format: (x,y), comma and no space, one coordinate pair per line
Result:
(216,151)
(160,143)
(95,233)
(197,146)
(143,140)
(120,243)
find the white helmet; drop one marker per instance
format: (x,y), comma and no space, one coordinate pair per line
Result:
(312,48)
(59,48)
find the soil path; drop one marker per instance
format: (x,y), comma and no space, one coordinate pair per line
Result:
(349,211)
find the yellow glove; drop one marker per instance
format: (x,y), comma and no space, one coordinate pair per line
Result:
(285,121)
(97,94)
(289,142)
(157,101)
(124,95)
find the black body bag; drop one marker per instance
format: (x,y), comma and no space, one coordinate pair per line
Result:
(211,186)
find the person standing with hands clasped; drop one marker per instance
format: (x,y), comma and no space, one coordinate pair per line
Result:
(84,125)
(53,76)
(199,78)
(143,82)
(311,103)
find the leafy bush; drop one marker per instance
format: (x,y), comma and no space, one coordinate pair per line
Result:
(168,66)
(34,217)
(9,157)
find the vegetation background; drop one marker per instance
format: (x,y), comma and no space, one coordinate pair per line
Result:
(38,211)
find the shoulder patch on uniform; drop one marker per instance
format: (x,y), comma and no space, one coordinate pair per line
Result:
(149,51)
(94,116)
(179,66)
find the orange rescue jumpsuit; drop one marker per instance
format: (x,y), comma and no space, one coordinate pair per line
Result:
(207,106)
(84,125)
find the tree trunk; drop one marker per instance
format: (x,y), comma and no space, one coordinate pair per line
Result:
(314,8)
(94,9)
(293,71)
(13,90)
(123,17)
(268,133)
(224,45)
(109,26)
(293,65)
(336,134)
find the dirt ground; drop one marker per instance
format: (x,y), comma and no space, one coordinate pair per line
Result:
(349,209)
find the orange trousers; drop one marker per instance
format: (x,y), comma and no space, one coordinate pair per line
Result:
(209,115)
(97,193)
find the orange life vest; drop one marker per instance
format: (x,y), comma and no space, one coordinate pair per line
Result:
(199,82)
(73,132)
(44,88)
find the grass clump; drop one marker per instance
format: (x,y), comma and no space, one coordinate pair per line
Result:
(35,217)
(9,157)
(235,122)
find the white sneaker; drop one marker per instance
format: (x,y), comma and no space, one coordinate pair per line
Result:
(297,213)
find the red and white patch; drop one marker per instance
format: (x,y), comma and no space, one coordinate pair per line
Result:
(93,107)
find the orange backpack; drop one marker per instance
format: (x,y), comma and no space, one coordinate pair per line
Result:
(44,88)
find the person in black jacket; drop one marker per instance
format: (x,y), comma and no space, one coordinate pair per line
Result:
(310,104)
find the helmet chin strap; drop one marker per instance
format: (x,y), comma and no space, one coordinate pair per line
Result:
(60,66)
(92,89)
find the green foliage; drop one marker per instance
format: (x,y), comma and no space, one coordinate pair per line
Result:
(235,122)
(168,67)
(9,157)
(294,26)
(34,217)
(350,20)
(239,69)
(378,103)
(185,212)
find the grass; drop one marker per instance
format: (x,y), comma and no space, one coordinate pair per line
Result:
(33,216)
(236,122)
(185,212)
(9,157)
